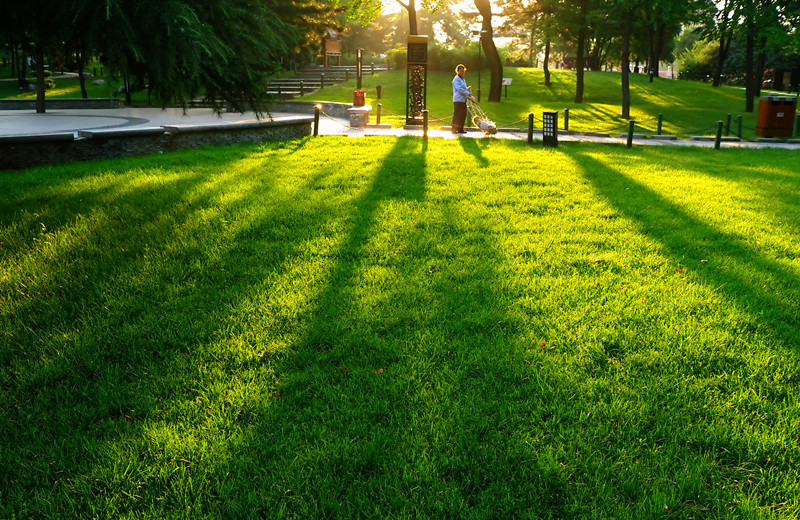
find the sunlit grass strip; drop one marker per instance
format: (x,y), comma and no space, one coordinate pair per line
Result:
(402,328)
(687,107)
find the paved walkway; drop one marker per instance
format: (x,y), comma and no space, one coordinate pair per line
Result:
(26,122)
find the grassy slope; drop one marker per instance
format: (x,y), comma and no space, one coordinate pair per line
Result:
(450,329)
(688,108)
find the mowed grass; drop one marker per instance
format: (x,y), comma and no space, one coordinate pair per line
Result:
(400,328)
(687,107)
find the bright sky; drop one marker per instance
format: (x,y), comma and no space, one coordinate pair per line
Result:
(393,6)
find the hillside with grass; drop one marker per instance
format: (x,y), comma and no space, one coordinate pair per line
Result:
(688,107)
(402,328)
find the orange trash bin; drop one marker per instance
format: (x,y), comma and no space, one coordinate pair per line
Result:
(776,116)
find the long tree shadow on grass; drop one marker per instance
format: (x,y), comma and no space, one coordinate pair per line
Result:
(406,395)
(767,289)
(777,188)
(112,319)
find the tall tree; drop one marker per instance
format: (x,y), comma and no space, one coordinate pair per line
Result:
(762,21)
(539,21)
(580,58)
(722,26)
(39,28)
(662,22)
(490,49)
(627,12)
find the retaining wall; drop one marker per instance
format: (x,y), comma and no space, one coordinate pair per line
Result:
(17,152)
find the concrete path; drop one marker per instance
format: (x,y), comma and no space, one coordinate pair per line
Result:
(26,122)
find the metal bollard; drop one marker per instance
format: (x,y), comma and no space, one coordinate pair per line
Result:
(728,126)
(425,123)
(718,139)
(566,120)
(322,80)
(530,128)
(302,88)
(378,89)
(631,125)
(317,108)
(660,121)
(380,106)
(739,126)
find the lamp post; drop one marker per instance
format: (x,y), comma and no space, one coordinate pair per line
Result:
(480,58)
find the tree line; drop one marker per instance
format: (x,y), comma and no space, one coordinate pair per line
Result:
(226,49)
(628,33)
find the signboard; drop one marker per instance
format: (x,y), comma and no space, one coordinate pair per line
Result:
(416,78)
(506,82)
(418,49)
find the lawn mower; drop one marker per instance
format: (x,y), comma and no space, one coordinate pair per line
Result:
(479,118)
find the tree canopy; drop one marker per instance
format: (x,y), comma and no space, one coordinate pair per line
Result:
(226,49)
(177,49)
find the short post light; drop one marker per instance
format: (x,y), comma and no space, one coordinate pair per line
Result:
(530,128)
(631,126)
(317,109)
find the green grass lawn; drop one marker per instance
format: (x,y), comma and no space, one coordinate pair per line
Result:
(70,88)
(688,107)
(400,328)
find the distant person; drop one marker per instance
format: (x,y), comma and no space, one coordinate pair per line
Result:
(461,93)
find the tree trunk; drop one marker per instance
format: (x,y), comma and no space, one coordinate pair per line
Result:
(79,59)
(651,52)
(580,66)
(530,49)
(546,63)
(725,37)
(22,66)
(126,82)
(761,65)
(38,54)
(626,63)
(490,50)
(656,56)
(722,55)
(411,7)
(749,76)
(14,60)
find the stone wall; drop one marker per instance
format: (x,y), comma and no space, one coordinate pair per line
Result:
(17,152)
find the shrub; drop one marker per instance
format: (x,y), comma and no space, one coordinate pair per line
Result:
(697,62)
(440,58)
